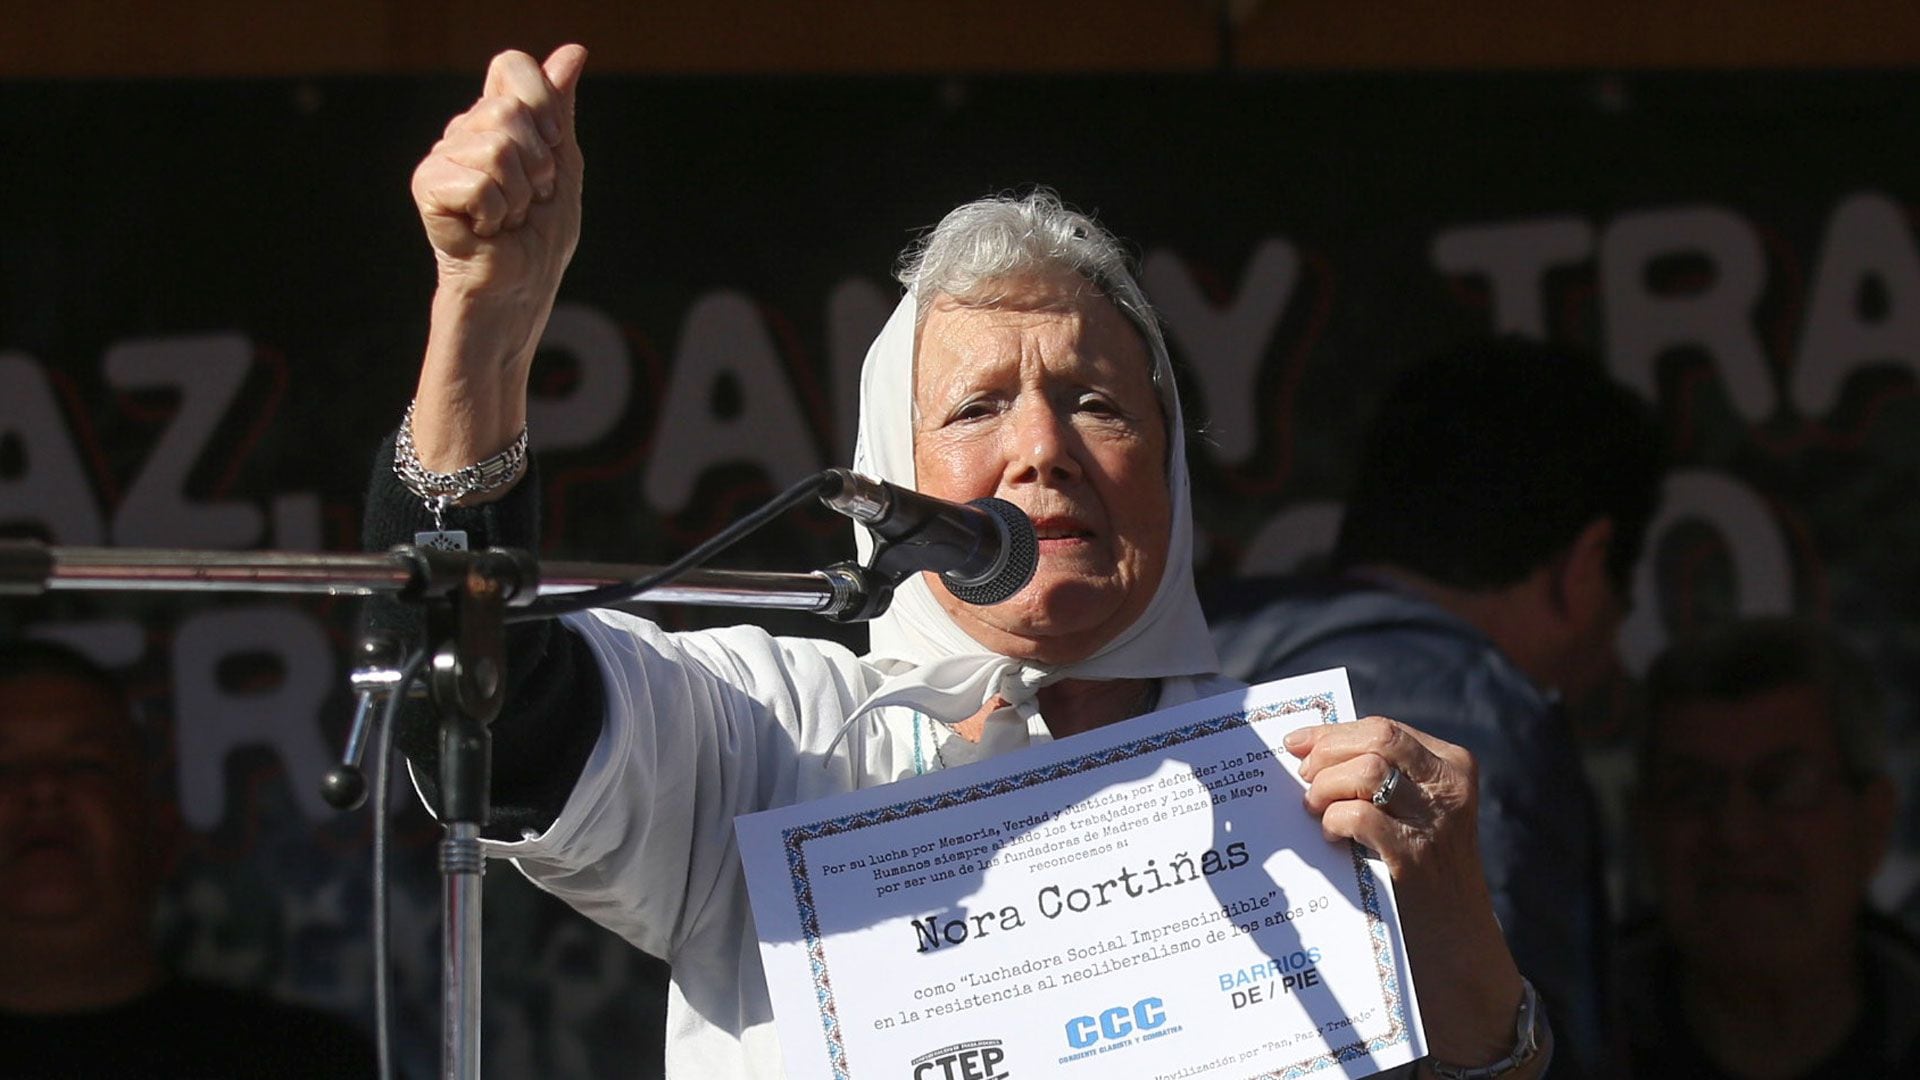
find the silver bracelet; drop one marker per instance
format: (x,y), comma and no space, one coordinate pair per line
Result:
(440,490)
(1529,1037)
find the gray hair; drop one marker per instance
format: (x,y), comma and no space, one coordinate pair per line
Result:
(983,246)
(1753,656)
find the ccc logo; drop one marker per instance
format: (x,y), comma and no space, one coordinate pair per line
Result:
(1117,1022)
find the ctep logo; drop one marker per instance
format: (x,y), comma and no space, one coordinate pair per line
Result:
(977,1060)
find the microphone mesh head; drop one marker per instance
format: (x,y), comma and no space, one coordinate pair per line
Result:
(1018,557)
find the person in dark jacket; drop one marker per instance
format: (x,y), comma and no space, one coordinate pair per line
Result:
(1481,573)
(83,851)
(1764,808)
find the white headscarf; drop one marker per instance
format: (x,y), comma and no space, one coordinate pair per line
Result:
(932,664)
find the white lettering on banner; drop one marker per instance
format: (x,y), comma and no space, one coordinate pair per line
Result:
(856,310)
(51,489)
(1515,257)
(1868,238)
(214,720)
(111,643)
(1762,564)
(1302,531)
(207,371)
(1226,346)
(599,395)
(1643,325)
(724,339)
(296,521)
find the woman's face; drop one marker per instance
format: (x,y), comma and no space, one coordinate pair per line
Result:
(1046,399)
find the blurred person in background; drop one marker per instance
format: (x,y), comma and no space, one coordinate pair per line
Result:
(84,850)
(1764,808)
(1481,575)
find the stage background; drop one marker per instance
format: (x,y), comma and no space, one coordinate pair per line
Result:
(212,298)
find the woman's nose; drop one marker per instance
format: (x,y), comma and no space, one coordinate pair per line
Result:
(1043,444)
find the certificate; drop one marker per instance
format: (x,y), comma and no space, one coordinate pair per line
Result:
(1147,900)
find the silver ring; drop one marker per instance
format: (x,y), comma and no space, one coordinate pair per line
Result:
(1383,794)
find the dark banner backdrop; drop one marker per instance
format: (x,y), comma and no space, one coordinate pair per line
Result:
(212,297)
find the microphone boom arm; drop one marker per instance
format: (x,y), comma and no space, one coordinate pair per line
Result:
(28,568)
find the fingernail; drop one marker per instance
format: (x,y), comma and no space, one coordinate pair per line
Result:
(549,129)
(1295,739)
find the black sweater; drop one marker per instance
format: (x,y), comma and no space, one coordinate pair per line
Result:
(554,704)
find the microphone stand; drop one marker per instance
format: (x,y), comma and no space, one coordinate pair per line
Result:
(466,595)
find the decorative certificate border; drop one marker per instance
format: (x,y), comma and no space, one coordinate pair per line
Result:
(794,841)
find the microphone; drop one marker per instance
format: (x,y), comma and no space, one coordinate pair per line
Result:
(984,551)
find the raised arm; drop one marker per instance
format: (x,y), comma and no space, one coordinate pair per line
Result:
(499,196)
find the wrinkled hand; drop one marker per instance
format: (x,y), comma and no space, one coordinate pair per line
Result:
(1427,835)
(499,194)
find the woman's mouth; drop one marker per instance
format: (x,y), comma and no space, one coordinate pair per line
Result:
(1059,532)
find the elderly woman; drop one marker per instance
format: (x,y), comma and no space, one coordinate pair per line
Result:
(1023,363)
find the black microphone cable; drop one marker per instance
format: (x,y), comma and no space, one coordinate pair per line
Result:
(547,607)
(382,953)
